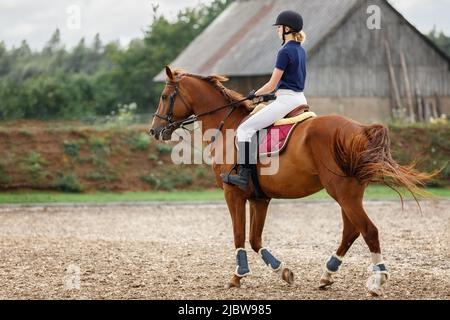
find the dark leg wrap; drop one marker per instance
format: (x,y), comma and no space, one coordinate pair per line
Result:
(242,268)
(272,262)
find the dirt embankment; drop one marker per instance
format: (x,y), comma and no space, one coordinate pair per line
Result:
(84,158)
(68,156)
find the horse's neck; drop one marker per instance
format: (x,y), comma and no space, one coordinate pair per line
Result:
(204,101)
(224,141)
(214,120)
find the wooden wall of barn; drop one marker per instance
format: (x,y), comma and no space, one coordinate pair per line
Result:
(352,62)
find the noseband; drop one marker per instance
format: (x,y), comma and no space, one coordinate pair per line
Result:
(169,116)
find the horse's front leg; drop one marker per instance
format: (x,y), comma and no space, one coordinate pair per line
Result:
(236,204)
(258,213)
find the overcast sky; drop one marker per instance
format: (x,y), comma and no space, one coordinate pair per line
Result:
(35,20)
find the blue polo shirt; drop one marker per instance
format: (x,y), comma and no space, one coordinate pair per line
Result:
(292,59)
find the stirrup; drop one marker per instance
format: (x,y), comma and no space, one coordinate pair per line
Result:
(226,177)
(242,179)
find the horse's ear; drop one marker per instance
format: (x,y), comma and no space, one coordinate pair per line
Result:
(169,73)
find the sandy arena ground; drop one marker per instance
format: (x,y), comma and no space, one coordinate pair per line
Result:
(186,252)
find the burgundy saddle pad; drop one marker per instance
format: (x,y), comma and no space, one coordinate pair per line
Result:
(275,139)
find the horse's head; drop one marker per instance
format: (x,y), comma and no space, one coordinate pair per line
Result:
(181,105)
(173,108)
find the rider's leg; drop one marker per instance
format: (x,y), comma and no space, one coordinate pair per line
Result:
(285,103)
(247,159)
(247,145)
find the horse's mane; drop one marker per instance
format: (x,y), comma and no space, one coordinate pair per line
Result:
(216,81)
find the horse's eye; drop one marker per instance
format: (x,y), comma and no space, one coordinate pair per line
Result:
(164,97)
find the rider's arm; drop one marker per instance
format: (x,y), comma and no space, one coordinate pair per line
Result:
(270,86)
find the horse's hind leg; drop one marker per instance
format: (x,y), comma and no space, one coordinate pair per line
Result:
(357,215)
(349,235)
(349,193)
(258,213)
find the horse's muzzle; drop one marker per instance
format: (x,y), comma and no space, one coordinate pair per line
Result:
(163,134)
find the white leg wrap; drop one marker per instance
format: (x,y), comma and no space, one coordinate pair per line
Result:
(377,279)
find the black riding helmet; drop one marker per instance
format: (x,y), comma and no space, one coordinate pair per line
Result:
(289,19)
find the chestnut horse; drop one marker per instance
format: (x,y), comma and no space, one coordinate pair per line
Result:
(329,152)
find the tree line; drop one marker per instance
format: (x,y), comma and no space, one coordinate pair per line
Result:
(94,78)
(442,40)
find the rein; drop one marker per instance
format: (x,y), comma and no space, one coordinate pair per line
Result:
(192,119)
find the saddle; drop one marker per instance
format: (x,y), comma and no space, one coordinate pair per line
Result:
(274,139)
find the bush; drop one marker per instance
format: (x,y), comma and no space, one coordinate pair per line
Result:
(124,115)
(72,149)
(200,172)
(25,133)
(176,179)
(33,166)
(139,142)
(99,146)
(100,176)
(152,157)
(151,180)
(98,161)
(4,178)
(428,144)
(164,148)
(68,183)
(170,180)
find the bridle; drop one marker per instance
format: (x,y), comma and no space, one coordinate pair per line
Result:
(194,118)
(173,96)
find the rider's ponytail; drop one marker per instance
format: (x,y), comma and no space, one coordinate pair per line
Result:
(299,36)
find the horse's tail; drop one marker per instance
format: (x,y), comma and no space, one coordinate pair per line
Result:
(367,157)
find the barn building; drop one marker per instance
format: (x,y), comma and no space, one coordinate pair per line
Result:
(365,60)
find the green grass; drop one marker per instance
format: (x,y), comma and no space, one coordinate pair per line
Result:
(105,197)
(372,193)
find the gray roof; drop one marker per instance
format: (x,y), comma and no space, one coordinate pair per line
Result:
(242,41)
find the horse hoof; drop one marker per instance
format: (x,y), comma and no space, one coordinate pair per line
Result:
(288,276)
(375,284)
(235,282)
(325,283)
(230,285)
(376,292)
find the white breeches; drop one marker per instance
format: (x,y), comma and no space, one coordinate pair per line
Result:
(287,101)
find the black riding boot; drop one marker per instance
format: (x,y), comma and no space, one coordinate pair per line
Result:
(247,162)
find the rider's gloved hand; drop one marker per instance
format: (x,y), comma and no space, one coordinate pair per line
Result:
(269,97)
(251,95)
